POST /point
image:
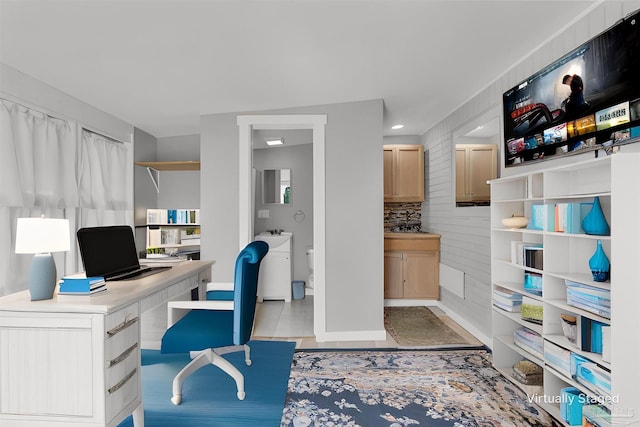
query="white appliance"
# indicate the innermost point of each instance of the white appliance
(274, 280)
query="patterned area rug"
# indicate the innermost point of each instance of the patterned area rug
(404, 388)
(420, 328)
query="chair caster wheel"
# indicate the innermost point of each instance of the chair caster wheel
(248, 362)
(176, 399)
(241, 395)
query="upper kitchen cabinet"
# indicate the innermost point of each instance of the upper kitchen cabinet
(403, 173)
(475, 165)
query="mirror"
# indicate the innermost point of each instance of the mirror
(476, 153)
(276, 186)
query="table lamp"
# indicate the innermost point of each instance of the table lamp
(41, 236)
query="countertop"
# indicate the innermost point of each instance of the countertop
(410, 235)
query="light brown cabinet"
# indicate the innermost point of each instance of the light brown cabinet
(411, 266)
(475, 165)
(403, 173)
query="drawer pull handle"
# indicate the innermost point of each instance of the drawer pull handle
(124, 325)
(122, 382)
(123, 356)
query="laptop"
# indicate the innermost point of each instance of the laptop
(110, 252)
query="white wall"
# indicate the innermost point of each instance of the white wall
(179, 189)
(354, 208)
(144, 194)
(465, 243)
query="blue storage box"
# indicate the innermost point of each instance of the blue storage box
(298, 289)
(571, 403)
(576, 361)
(533, 283)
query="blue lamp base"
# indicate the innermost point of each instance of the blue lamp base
(42, 277)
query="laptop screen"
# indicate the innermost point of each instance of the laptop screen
(107, 250)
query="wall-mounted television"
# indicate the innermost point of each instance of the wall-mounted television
(587, 100)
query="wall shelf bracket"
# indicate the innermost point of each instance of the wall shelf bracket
(154, 174)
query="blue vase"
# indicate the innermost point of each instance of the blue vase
(595, 223)
(599, 264)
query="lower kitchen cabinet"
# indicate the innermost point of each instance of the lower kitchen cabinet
(411, 266)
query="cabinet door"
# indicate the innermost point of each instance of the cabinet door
(482, 167)
(410, 173)
(421, 278)
(461, 176)
(393, 267)
(388, 172)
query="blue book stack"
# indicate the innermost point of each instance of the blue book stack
(80, 285)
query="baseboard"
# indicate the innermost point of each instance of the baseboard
(486, 340)
(380, 335)
(411, 302)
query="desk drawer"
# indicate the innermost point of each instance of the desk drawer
(122, 359)
(122, 333)
(183, 286)
(122, 385)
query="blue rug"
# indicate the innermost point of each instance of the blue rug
(209, 396)
(405, 388)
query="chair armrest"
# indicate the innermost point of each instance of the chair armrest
(215, 286)
(178, 309)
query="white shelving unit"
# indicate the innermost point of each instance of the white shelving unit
(616, 181)
(173, 234)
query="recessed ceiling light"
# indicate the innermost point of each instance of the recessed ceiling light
(274, 141)
(394, 127)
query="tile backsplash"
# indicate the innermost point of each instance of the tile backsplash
(405, 217)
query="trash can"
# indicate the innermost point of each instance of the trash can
(298, 289)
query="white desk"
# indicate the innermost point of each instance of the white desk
(75, 360)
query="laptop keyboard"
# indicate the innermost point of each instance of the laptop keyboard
(142, 271)
(129, 274)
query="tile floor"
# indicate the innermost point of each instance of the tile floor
(279, 320)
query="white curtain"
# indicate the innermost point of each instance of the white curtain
(105, 183)
(46, 168)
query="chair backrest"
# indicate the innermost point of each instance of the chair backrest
(245, 289)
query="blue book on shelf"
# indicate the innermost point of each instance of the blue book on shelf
(538, 217)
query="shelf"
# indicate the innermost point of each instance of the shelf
(561, 303)
(508, 341)
(573, 383)
(566, 258)
(518, 319)
(189, 165)
(563, 342)
(530, 390)
(585, 279)
(172, 225)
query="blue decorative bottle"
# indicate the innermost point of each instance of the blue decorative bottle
(599, 264)
(595, 223)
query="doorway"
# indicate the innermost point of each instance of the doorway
(316, 123)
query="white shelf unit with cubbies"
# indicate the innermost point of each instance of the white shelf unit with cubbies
(615, 180)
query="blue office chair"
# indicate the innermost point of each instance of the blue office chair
(209, 329)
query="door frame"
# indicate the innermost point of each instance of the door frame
(317, 123)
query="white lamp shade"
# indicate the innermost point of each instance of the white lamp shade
(42, 235)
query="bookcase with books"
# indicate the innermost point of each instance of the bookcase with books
(548, 309)
(173, 232)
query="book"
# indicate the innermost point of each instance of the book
(532, 257)
(95, 290)
(80, 283)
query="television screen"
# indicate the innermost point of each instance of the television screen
(586, 100)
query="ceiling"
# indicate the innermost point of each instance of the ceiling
(159, 65)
